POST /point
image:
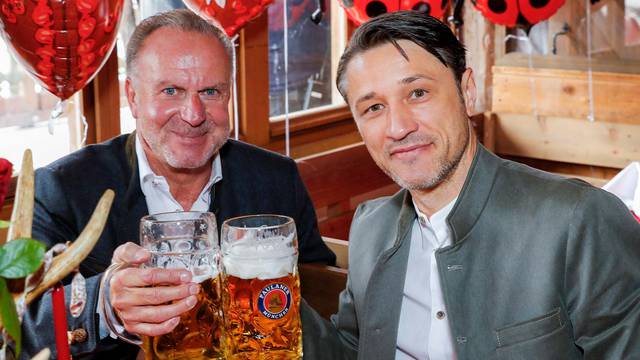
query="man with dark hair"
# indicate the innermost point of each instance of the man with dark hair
(179, 158)
(477, 257)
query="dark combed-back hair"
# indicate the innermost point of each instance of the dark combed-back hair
(181, 19)
(425, 31)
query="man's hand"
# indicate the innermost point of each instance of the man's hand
(149, 301)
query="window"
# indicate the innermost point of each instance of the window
(313, 51)
(25, 108)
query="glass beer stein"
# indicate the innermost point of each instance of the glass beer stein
(261, 289)
(185, 240)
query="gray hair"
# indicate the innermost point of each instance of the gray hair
(181, 19)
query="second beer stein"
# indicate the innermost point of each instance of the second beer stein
(261, 291)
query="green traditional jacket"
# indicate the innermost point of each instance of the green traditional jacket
(541, 267)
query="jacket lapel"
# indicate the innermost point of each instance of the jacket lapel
(134, 205)
(384, 292)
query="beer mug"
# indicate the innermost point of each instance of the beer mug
(185, 240)
(261, 291)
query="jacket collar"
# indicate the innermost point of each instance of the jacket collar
(471, 200)
(474, 194)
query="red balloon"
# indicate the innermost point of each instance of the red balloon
(61, 43)
(231, 15)
(534, 14)
(512, 12)
(360, 11)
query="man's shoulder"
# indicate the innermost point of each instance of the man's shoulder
(385, 207)
(92, 156)
(235, 150)
(532, 179)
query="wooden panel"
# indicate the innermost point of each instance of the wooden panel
(596, 175)
(564, 93)
(338, 181)
(101, 103)
(340, 174)
(341, 249)
(321, 285)
(253, 81)
(568, 140)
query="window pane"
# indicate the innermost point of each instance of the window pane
(309, 57)
(25, 108)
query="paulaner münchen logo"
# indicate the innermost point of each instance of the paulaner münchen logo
(274, 300)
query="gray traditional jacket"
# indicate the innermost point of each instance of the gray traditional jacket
(541, 267)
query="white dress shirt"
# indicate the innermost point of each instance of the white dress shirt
(423, 331)
(156, 188)
(159, 199)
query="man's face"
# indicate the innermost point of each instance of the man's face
(410, 113)
(179, 95)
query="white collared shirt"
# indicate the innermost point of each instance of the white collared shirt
(159, 199)
(156, 188)
(424, 331)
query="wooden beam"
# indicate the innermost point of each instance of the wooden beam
(565, 93)
(101, 103)
(568, 140)
(253, 81)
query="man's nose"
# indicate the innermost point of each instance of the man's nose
(400, 123)
(193, 110)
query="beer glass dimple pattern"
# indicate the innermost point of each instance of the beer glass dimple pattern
(261, 291)
(187, 240)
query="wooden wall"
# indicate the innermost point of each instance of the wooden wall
(541, 116)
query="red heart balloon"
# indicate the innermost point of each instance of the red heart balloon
(232, 15)
(62, 43)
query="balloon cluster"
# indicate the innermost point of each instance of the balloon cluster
(513, 12)
(359, 11)
(61, 43)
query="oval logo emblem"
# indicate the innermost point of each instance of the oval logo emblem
(274, 300)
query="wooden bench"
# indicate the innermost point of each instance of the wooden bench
(338, 181)
(320, 284)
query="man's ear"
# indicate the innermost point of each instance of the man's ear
(469, 91)
(131, 97)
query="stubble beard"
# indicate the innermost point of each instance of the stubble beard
(444, 170)
(161, 146)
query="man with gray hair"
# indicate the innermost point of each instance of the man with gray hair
(179, 158)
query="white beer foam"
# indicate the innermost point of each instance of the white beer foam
(265, 259)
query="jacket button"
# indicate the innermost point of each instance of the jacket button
(77, 336)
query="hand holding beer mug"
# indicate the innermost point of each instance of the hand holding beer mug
(261, 288)
(184, 240)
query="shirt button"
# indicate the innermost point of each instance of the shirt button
(440, 315)
(422, 221)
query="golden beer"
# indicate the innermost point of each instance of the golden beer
(199, 333)
(261, 296)
(262, 318)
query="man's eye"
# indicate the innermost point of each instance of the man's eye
(210, 92)
(418, 93)
(373, 108)
(170, 91)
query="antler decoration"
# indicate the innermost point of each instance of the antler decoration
(22, 219)
(22, 215)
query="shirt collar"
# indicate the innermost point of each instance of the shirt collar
(147, 175)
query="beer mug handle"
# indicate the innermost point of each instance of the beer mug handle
(113, 324)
